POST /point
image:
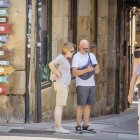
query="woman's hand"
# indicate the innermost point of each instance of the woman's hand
(58, 74)
(130, 96)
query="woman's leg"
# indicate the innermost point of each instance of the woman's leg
(58, 116)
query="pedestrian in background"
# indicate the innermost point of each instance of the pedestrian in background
(133, 81)
(84, 65)
(61, 85)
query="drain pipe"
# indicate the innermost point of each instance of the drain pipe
(124, 55)
(38, 63)
(28, 46)
(117, 70)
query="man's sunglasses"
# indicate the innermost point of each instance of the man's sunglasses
(85, 48)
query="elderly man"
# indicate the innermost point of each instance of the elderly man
(84, 65)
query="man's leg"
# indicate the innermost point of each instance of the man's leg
(86, 114)
(79, 113)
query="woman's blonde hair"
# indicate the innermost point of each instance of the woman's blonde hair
(67, 47)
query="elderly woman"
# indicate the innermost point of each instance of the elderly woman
(60, 66)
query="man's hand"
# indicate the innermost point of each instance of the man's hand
(90, 68)
(97, 69)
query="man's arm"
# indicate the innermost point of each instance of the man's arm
(77, 72)
(97, 69)
(131, 89)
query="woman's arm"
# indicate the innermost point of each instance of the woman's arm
(131, 89)
(54, 69)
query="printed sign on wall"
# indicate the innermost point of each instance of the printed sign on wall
(4, 89)
(4, 63)
(4, 38)
(3, 19)
(6, 70)
(5, 54)
(6, 28)
(4, 3)
(4, 79)
(1, 44)
(3, 12)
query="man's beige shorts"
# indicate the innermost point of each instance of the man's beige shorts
(61, 93)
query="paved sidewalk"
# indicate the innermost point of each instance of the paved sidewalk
(111, 127)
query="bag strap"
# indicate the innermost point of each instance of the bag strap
(90, 59)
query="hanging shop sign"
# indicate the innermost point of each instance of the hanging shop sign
(3, 19)
(6, 28)
(4, 3)
(6, 70)
(4, 38)
(4, 89)
(1, 44)
(4, 79)
(3, 12)
(4, 63)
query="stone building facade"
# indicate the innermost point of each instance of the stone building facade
(39, 31)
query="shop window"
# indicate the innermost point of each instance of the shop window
(46, 33)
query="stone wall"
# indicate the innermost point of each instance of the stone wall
(83, 23)
(102, 51)
(112, 12)
(12, 107)
(59, 25)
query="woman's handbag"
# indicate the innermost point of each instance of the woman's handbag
(53, 76)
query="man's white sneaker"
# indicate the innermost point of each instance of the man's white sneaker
(62, 130)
